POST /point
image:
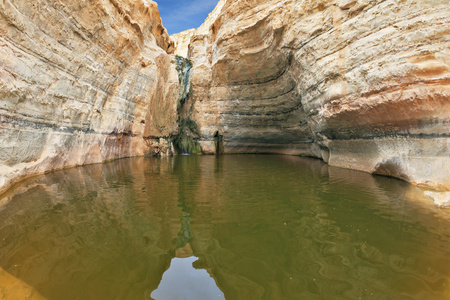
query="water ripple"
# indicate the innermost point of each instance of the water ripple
(263, 227)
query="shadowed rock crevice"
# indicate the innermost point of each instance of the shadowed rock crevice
(391, 167)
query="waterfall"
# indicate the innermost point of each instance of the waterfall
(186, 140)
(184, 68)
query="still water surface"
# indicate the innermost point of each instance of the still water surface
(232, 227)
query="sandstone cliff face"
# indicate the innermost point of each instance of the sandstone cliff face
(181, 41)
(361, 84)
(81, 82)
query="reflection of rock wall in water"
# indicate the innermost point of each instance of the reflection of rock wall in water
(81, 82)
(361, 84)
(110, 231)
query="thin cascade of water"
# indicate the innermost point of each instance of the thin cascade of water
(184, 68)
(186, 140)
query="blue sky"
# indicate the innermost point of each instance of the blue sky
(179, 15)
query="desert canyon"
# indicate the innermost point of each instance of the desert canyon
(360, 84)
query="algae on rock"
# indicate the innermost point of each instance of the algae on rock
(183, 66)
(186, 140)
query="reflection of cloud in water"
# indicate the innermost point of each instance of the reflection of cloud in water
(183, 281)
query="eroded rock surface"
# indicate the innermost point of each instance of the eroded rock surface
(361, 84)
(82, 82)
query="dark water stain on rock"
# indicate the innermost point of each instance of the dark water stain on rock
(391, 167)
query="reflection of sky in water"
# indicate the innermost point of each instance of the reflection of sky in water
(183, 281)
(264, 227)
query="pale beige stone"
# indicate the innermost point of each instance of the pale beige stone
(81, 82)
(346, 4)
(361, 84)
(440, 199)
(182, 41)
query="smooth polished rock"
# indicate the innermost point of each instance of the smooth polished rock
(361, 84)
(81, 82)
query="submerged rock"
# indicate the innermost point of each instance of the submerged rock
(440, 198)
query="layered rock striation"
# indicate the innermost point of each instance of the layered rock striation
(361, 84)
(82, 82)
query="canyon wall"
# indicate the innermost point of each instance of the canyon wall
(361, 84)
(82, 82)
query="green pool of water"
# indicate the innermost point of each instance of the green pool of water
(230, 227)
